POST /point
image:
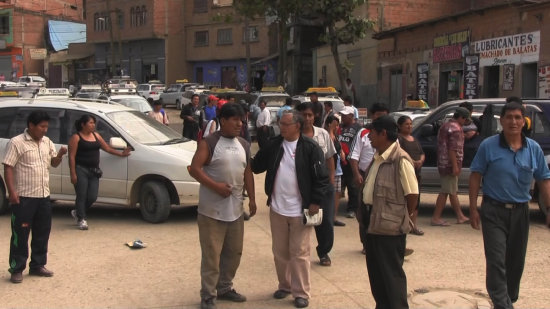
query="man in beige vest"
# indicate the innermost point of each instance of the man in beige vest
(391, 175)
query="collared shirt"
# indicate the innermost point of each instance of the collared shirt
(450, 137)
(31, 162)
(507, 174)
(321, 137)
(406, 175)
(363, 151)
(264, 118)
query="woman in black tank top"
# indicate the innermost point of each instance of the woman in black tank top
(84, 148)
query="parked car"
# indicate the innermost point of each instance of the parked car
(275, 98)
(174, 93)
(130, 100)
(151, 91)
(88, 92)
(32, 81)
(487, 113)
(153, 177)
(415, 115)
(186, 96)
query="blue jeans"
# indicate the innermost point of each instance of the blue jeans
(87, 185)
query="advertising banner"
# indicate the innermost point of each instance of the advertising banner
(471, 77)
(512, 49)
(422, 70)
(452, 46)
(544, 82)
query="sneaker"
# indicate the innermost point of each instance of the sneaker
(280, 294)
(208, 303)
(73, 214)
(300, 302)
(82, 225)
(232, 296)
(350, 214)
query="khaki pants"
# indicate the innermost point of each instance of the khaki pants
(221, 247)
(291, 251)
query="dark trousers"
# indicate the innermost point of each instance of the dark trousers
(505, 234)
(86, 188)
(325, 231)
(30, 215)
(263, 136)
(353, 191)
(388, 282)
(363, 216)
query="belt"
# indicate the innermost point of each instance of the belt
(492, 201)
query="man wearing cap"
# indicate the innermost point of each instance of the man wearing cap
(507, 164)
(450, 153)
(210, 108)
(348, 140)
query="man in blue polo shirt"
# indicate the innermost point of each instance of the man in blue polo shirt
(507, 164)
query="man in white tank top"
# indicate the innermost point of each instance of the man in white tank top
(222, 166)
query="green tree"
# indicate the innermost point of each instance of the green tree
(341, 27)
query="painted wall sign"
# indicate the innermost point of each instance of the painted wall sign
(471, 77)
(512, 49)
(452, 46)
(422, 70)
(508, 77)
(544, 82)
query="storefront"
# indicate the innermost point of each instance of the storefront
(449, 51)
(232, 73)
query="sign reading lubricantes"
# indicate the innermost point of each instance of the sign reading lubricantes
(512, 49)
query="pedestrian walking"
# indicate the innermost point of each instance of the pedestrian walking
(450, 153)
(84, 156)
(506, 165)
(192, 118)
(263, 125)
(393, 179)
(222, 167)
(332, 126)
(27, 174)
(318, 109)
(328, 112)
(324, 231)
(296, 180)
(413, 148)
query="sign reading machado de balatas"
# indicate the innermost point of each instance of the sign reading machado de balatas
(471, 76)
(511, 49)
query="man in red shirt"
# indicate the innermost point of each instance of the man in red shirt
(450, 153)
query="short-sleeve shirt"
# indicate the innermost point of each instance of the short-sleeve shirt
(322, 138)
(31, 162)
(286, 199)
(507, 174)
(209, 112)
(363, 151)
(407, 176)
(450, 137)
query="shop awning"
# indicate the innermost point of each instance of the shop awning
(64, 56)
(61, 33)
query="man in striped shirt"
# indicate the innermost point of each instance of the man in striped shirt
(26, 171)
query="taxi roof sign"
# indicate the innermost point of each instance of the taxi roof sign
(273, 89)
(331, 90)
(222, 90)
(185, 80)
(416, 104)
(7, 94)
(53, 92)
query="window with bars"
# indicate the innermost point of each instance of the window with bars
(138, 16)
(225, 36)
(201, 38)
(200, 6)
(252, 33)
(4, 24)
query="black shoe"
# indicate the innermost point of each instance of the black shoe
(350, 214)
(325, 260)
(339, 223)
(246, 216)
(41, 272)
(280, 294)
(208, 303)
(232, 296)
(300, 302)
(408, 251)
(16, 277)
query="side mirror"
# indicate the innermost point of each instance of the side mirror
(117, 143)
(426, 130)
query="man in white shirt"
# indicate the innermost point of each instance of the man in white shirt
(263, 124)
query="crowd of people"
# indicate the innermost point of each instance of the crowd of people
(318, 156)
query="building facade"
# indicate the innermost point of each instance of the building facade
(23, 45)
(499, 50)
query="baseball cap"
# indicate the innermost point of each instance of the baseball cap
(212, 97)
(347, 110)
(462, 112)
(221, 103)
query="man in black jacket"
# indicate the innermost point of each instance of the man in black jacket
(296, 180)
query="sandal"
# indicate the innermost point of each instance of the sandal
(325, 261)
(416, 231)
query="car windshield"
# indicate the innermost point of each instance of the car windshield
(137, 103)
(157, 87)
(145, 130)
(274, 101)
(38, 79)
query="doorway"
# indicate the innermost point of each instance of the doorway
(396, 90)
(529, 83)
(492, 79)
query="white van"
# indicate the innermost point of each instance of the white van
(154, 177)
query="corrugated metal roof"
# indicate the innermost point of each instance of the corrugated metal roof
(63, 32)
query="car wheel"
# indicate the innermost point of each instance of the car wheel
(154, 202)
(4, 205)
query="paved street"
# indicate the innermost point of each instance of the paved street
(94, 269)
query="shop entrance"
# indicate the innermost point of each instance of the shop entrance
(396, 91)
(492, 78)
(529, 81)
(450, 86)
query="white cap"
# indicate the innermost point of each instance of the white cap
(347, 110)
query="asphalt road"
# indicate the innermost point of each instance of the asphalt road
(94, 269)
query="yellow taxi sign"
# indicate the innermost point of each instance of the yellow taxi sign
(9, 94)
(273, 89)
(185, 80)
(321, 90)
(222, 90)
(421, 104)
